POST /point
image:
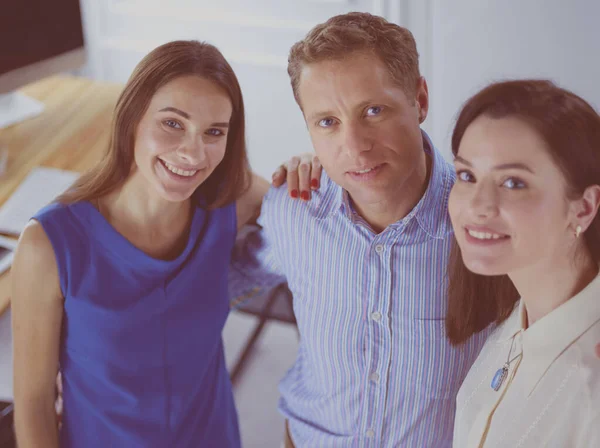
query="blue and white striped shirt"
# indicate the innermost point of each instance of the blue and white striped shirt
(374, 368)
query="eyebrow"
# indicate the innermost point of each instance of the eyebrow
(319, 115)
(503, 166)
(177, 111)
(187, 116)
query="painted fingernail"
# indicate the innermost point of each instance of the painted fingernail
(314, 183)
(294, 194)
(305, 195)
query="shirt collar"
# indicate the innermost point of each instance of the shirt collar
(431, 211)
(550, 336)
(515, 323)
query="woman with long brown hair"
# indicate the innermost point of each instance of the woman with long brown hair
(525, 213)
(121, 285)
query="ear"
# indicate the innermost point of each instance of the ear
(586, 208)
(422, 99)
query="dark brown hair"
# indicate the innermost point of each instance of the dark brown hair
(570, 127)
(345, 34)
(165, 63)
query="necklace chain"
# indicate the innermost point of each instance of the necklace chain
(507, 363)
(502, 372)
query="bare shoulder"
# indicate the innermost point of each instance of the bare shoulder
(34, 246)
(34, 263)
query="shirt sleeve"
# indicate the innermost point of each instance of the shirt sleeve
(254, 269)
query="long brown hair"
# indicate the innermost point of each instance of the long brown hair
(169, 61)
(570, 127)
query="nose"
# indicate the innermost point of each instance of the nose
(192, 151)
(484, 201)
(356, 139)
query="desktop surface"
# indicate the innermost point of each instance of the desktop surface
(71, 134)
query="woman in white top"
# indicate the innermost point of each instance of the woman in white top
(524, 209)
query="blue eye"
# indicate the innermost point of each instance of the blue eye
(465, 176)
(512, 183)
(374, 110)
(326, 122)
(215, 132)
(173, 124)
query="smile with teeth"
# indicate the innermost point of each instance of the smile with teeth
(179, 171)
(484, 235)
(367, 170)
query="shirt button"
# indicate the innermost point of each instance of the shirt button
(370, 433)
(376, 316)
(374, 377)
(379, 248)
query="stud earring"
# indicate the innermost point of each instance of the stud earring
(577, 231)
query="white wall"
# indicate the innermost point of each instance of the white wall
(255, 36)
(477, 41)
(463, 45)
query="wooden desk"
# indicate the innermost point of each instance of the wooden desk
(72, 134)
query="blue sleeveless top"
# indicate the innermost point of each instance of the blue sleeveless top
(141, 354)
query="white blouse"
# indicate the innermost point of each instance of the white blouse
(550, 396)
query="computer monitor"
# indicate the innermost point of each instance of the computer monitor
(38, 38)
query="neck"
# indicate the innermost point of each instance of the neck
(544, 288)
(399, 202)
(135, 203)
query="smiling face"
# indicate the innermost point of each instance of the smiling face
(182, 136)
(364, 127)
(509, 206)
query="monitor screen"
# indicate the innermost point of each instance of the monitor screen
(36, 30)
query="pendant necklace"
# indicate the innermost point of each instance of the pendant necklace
(502, 372)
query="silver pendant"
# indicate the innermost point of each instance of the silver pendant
(499, 377)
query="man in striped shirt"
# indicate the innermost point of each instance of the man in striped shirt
(365, 258)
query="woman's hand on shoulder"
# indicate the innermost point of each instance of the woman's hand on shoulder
(302, 173)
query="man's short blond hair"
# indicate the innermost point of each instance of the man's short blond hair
(345, 34)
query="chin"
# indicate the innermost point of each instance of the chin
(367, 193)
(175, 196)
(485, 267)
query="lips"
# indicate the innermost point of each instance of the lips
(178, 170)
(368, 170)
(364, 170)
(485, 235)
(364, 174)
